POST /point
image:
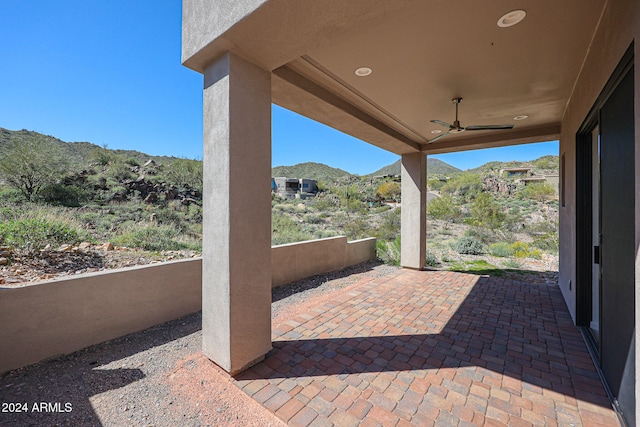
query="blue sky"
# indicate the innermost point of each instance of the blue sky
(109, 72)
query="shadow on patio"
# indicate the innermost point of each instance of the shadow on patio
(425, 347)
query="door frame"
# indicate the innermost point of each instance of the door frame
(584, 192)
(584, 219)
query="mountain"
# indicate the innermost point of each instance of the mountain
(76, 152)
(311, 170)
(434, 167)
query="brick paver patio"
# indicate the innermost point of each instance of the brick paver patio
(428, 348)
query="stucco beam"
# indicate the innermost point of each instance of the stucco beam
(271, 33)
(295, 92)
(495, 139)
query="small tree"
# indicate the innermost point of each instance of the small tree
(186, 172)
(539, 191)
(486, 212)
(389, 191)
(443, 208)
(31, 164)
(466, 185)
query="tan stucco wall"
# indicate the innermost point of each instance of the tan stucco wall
(61, 316)
(296, 261)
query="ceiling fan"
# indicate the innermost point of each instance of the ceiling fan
(456, 128)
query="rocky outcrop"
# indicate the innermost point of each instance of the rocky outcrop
(499, 185)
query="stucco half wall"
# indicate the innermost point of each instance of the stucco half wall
(62, 316)
(296, 261)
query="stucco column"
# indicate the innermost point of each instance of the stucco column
(236, 255)
(414, 210)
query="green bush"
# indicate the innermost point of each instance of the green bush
(154, 238)
(431, 260)
(501, 249)
(64, 195)
(443, 208)
(469, 246)
(286, 230)
(486, 212)
(312, 218)
(357, 228)
(466, 185)
(389, 227)
(549, 242)
(389, 251)
(11, 197)
(35, 234)
(539, 191)
(523, 250)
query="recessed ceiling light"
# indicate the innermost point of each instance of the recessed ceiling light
(363, 71)
(521, 117)
(436, 131)
(511, 18)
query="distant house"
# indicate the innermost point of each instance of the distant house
(290, 187)
(551, 179)
(515, 172)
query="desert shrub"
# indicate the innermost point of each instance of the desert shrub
(468, 245)
(389, 251)
(501, 249)
(466, 185)
(524, 250)
(389, 227)
(11, 197)
(154, 238)
(539, 191)
(64, 195)
(101, 155)
(357, 228)
(389, 191)
(323, 234)
(324, 204)
(431, 260)
(486, 212)
(34, 234)
(549, 242)
(284, 207)
(194, 213)
(312, 218)
(131, 161)
(435, 184)
(286, 230)
(443, 208)
(172, 218)
(486, 235)
(547, 163)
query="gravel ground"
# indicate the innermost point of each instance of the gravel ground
(157, 377)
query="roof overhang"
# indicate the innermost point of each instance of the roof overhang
(422, 54)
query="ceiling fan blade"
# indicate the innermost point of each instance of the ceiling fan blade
(489, 127)
(441, 123)
(442, 135)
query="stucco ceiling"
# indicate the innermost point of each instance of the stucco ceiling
(429, 52)
(423, 53)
